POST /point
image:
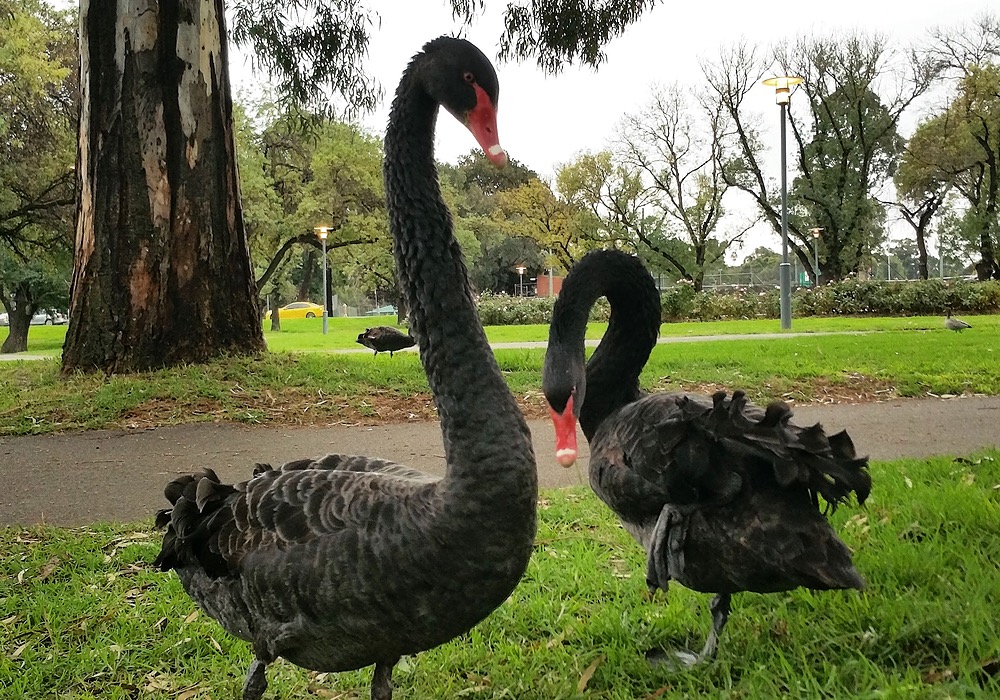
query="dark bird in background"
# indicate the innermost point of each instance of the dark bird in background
(385, 339)
(723, 496)
(955, 324)
(344, 561)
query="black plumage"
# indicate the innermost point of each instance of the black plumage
(723, 496)
(344, 562)
(385, 339)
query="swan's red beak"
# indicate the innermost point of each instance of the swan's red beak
(565, 425)
(482, 122)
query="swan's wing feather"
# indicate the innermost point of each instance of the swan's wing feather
(216, 526)
(693, 450)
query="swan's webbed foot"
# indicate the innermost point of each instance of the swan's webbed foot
(256, 682)
(382, 680)
(666, 548)
(682, 658)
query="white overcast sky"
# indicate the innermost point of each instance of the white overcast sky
(545, 120)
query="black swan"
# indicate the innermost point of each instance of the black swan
(722, 495)
(955, 324)
(345, 562)
(385, 339)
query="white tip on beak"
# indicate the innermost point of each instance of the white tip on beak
(566, 457)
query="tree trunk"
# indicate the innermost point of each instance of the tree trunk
(162, 271)
(309, 268)
(20, 309)
(275, 315)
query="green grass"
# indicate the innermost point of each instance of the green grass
(318, 387)
(306, 334)
(83, 615)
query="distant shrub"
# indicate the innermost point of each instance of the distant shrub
(903, 298)
(848, 298)
(505, 310)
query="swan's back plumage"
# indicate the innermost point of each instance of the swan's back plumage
(385, 339)
(756, 484)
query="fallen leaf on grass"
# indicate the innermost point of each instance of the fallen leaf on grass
(588, 674)
(47, 570)
(659, 692)
(935, 676)
(191, 617)
(8, 620)
(20, 650)
(326, 692)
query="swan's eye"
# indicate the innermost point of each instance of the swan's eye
(469, 77)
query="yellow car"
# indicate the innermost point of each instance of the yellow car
(298, 309)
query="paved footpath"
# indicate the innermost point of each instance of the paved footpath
(75, 479)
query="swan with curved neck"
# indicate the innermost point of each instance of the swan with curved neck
(723, 496)
(345, 561)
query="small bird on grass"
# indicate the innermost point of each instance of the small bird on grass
(955, 324)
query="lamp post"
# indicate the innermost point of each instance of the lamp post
(520, 271)
(816, 234)
(783, 94)
(322, 232)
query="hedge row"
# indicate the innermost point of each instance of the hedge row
(682, 303)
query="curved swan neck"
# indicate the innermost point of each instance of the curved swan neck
(612, 373)
(484, 430)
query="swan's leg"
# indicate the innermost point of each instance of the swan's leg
(666, 550)
(256, 682)
(682, 658)
(720, 615)
(382, 680)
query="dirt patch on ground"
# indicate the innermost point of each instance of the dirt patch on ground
(294, 407)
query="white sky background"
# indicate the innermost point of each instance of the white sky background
(544, 121)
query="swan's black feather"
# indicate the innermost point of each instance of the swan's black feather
(348, 561)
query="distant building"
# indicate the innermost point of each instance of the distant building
(542, 286)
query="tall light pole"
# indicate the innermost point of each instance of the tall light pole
(520, 271)
(816, 232)
(783, 94)
(322, 232)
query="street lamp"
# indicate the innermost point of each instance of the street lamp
(816, 234)
(322, 232)
(783, 94)
(520, 271)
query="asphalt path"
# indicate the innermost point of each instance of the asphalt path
(73, 479)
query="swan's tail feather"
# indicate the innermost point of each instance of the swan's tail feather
(825, 464)
(200, 517)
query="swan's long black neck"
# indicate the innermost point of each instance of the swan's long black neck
(486, 440)
(612, 373)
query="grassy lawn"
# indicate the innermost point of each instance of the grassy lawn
(84, 616)
(317, 388)
(306, 334)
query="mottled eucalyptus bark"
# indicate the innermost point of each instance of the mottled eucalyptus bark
(162, 272)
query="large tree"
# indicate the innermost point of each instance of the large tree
(680, 149)
(162, 270)
(38, 107)
(843, 131)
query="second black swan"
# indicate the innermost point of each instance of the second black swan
(385, 339)
(344, 562)
(723, 496)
